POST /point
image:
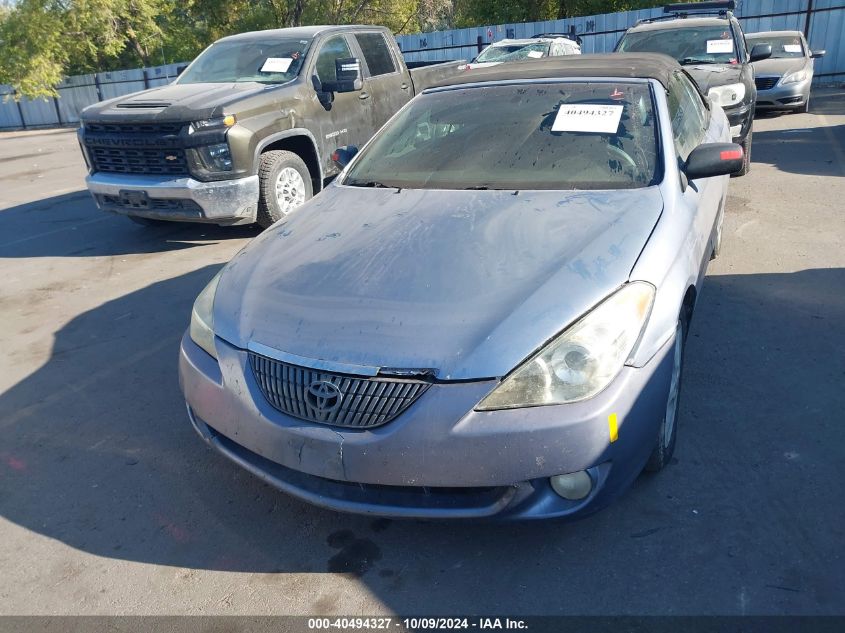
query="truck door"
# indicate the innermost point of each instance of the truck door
(346, 120)
(387, 84)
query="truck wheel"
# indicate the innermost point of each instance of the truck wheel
(746, 156)
(664, 447)
(284, 185)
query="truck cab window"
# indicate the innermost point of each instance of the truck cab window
(334, 49)
(376, 53)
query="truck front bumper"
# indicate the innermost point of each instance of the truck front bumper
(182, 199)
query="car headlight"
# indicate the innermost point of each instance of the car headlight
(202, 317)
(794, 78)
(581, 361)
(727, 96)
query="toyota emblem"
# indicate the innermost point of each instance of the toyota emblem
(324, 397)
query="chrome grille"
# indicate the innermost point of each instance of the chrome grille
(350, 401)
(765, 83)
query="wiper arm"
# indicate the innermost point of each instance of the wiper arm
(696, 60)
(477, 188)
(369, 183)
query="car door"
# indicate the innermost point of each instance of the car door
(386, 83)
(690, 128)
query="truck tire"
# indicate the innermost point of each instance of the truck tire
(746, 157)
(284, 184)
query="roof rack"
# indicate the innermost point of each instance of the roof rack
(720, 8)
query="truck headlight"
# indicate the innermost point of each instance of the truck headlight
(210, 124)
(215, 157)
(794, 78)
(727, 96)
(581, 361)
(202, 317)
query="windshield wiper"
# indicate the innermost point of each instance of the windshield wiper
(369, 183)
(697, 60)
(477, 187)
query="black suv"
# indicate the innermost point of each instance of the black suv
(707, 39)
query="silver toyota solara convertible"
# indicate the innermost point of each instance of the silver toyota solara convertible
(485, 313)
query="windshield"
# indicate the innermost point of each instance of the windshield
(265, 61)
(783, 47)
(689, 45)
(511, 52)
(567, 135)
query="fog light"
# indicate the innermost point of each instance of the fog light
(573, 486)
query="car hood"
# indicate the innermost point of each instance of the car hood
(467, 283)
(176, 102)
(709, 75)
(778, 66)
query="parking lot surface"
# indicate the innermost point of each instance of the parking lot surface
(110, 504)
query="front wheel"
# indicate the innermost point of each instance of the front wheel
(746, 157)
(664, 445)
(284, 185)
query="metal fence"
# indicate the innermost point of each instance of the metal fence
(77, 92)
(822, 21)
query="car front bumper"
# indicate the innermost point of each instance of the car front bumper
(440, 458)
(784, 97)
(180, 199)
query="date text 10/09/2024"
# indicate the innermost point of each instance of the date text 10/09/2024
(415, 624)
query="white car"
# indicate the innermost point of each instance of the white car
(542, 45)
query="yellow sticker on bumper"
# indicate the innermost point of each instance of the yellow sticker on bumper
(613, 426)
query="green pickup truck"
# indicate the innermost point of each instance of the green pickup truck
(246, 133)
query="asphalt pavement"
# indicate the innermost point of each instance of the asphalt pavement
(109, 503)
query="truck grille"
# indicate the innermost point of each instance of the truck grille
(334, 399)
(139, 161)
(765, 83)
(136, 148)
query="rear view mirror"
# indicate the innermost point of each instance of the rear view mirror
(761, 51)
(714, 159)
(342, 155)
(348, 73)
(817, 54)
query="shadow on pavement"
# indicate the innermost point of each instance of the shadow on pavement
(51, 228)
(98, 454)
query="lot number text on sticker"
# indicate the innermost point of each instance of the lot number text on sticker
(720, 46)
(276, 65)
(586, 117)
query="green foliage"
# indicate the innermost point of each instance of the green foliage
(43, 40)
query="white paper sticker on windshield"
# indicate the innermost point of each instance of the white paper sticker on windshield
(587, 117)
(276, 65)
(792, 48)
(535, 54)
(720, 46)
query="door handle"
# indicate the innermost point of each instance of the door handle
(364, 95)
(404, 86)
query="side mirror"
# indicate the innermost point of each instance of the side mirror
(761, 51)
(817, 54)
(342, 155)
(348, 72)
(713, 159)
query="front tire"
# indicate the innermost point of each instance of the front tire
(667, 434)
(746, 156)
(284, 185)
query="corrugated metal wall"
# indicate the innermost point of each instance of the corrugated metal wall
(77, 92)
(600, 34)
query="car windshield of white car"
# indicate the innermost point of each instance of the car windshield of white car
(783, 47)
(552, 136)
(511, 52)
(273, 61)
(689, 45)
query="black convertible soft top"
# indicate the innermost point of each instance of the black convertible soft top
(615, 65)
